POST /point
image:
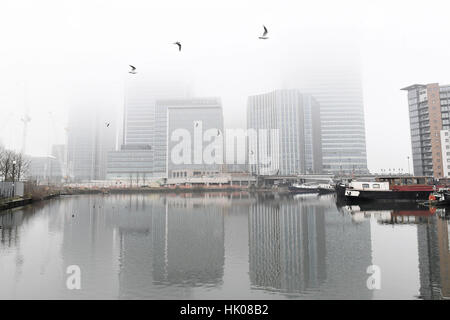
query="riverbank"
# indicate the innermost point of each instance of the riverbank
(73, 191)
(19, 202)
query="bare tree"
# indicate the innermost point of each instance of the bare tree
(7, 164)
(22, 165)
(13, 165)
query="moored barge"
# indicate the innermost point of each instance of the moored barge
(391, 188)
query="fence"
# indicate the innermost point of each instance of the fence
(9, 189)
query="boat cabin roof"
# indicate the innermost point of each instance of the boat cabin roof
(406, 180)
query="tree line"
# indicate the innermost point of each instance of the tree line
(13, 165)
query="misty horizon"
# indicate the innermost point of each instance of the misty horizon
(58, 54)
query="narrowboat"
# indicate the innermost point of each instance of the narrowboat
(391, 188)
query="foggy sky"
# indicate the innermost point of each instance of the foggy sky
(57, 50)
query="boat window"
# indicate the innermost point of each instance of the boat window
(365, 185)
(376, 186)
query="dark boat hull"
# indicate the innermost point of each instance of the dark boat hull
(389, 196)
(326, 191)
(303, 190)
(340, 191)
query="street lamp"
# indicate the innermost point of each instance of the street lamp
(13, 177)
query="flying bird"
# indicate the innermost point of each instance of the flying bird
(133, 70)
(178, 44)
(218, 132)
(264, 36)
(107, 124)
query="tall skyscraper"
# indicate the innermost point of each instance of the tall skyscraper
(196, 116)
(135, 159)
(139, 111)
(428, 115)
(337, 87)
(89, 139)
(297, 119)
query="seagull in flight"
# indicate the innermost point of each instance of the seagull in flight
(107, 124)
(218, 132)
(133, 70)
(264, 36)
(178, 44)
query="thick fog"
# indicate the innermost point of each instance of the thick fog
(54, 54)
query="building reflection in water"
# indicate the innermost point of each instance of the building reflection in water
(287, 246)
(220, 244)
(434, 258)
(298, 244)
(433, 240)
(174, 241)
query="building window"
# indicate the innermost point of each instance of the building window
(376, 186)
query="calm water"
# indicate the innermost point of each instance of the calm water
(222, 246)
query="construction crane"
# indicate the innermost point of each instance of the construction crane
(25, 119)
(60, 154)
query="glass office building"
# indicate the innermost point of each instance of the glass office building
(132, 162)
(193, 116)
(297, 146)
(337, 87)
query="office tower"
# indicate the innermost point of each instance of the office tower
(313, 136)
(195, 117)
(337, 87)
(428, 115)
(135, 159)
(133, 162)
(89, 139)
(139, 111)
(296, 117)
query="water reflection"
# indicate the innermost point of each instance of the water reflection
(222, 245)
(432, 240)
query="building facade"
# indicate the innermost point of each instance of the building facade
(445, 151)
(196, 118)
(132, 163)
(428, 116)
(337, 87)
(139, 123)
(296, 148)
(89, 140)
